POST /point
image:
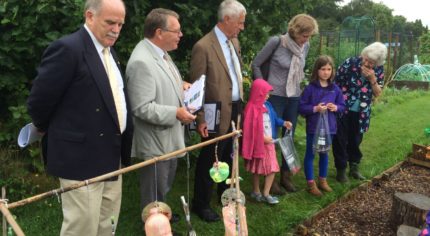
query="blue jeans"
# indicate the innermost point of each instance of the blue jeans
(309, 160)
(286, 108)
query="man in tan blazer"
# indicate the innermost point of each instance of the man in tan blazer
(156, 100)
(213, 56)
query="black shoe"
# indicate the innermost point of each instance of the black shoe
(175, 218)
(206, 214)
(341, 176)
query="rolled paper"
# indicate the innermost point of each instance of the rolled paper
(219, 172)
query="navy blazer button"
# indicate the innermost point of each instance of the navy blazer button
(101, 134)
(97, 109)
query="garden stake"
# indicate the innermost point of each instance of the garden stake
(121, 171)
(4, 225)
(233, 200)
(191, 231)
(10, 219)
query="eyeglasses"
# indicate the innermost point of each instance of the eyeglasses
(179, 32)
(368, 62)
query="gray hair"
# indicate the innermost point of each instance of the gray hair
(95, 5)
(376, 52)
(231, 8)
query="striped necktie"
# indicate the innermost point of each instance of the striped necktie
(237, 69)
(175, 72)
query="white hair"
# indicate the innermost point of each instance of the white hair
(376, 52)
(231, 8)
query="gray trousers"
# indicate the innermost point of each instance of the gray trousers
(156, 181)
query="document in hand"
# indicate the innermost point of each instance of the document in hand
(195, 94)
(28, 135)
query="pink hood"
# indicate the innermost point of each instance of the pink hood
(253, 132)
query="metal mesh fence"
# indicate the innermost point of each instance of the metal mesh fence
(343, 44)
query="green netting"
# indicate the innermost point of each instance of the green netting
(355, 34)
(413, 72)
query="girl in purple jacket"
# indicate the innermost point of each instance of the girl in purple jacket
(321, 95)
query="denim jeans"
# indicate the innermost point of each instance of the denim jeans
(309, 160)
(287, 108)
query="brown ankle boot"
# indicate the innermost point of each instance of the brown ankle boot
(313, 189)
(323, 185)
(276, 189)
(286, 181)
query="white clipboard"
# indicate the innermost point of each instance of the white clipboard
(212, 116)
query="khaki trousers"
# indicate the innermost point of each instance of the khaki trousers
(88, 210)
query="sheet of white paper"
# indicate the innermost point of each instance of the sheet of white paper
(195, 94)
(28, 135)
(212, 117)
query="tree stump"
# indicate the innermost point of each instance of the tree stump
(405, 230)
(409, 209)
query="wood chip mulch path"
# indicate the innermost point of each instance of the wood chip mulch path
(367, 211)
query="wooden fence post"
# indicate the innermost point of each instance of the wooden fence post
(389, 53)
(396, 48)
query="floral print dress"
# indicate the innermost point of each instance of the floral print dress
(356, 89)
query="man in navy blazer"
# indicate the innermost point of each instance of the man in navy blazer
(87, 129)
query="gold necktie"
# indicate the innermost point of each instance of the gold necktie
(237, 69)
(114, 87)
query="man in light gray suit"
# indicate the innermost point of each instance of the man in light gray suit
(156, 91)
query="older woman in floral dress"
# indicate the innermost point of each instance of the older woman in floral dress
(360, 78)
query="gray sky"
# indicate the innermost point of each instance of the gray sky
(410, 9)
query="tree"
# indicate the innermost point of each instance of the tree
(356, 8)
(382, 15)
(424, 50)
(399, 23)
(323, 11)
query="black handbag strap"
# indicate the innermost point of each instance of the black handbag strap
(265, 66)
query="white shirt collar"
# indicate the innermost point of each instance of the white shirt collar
(99, 46)
(159, 51)
(220, 35)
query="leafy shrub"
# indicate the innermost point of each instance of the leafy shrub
(425, 49)
(27, 28)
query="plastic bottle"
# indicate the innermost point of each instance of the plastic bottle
(9, 231)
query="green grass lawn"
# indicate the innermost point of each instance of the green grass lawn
(399, 118)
